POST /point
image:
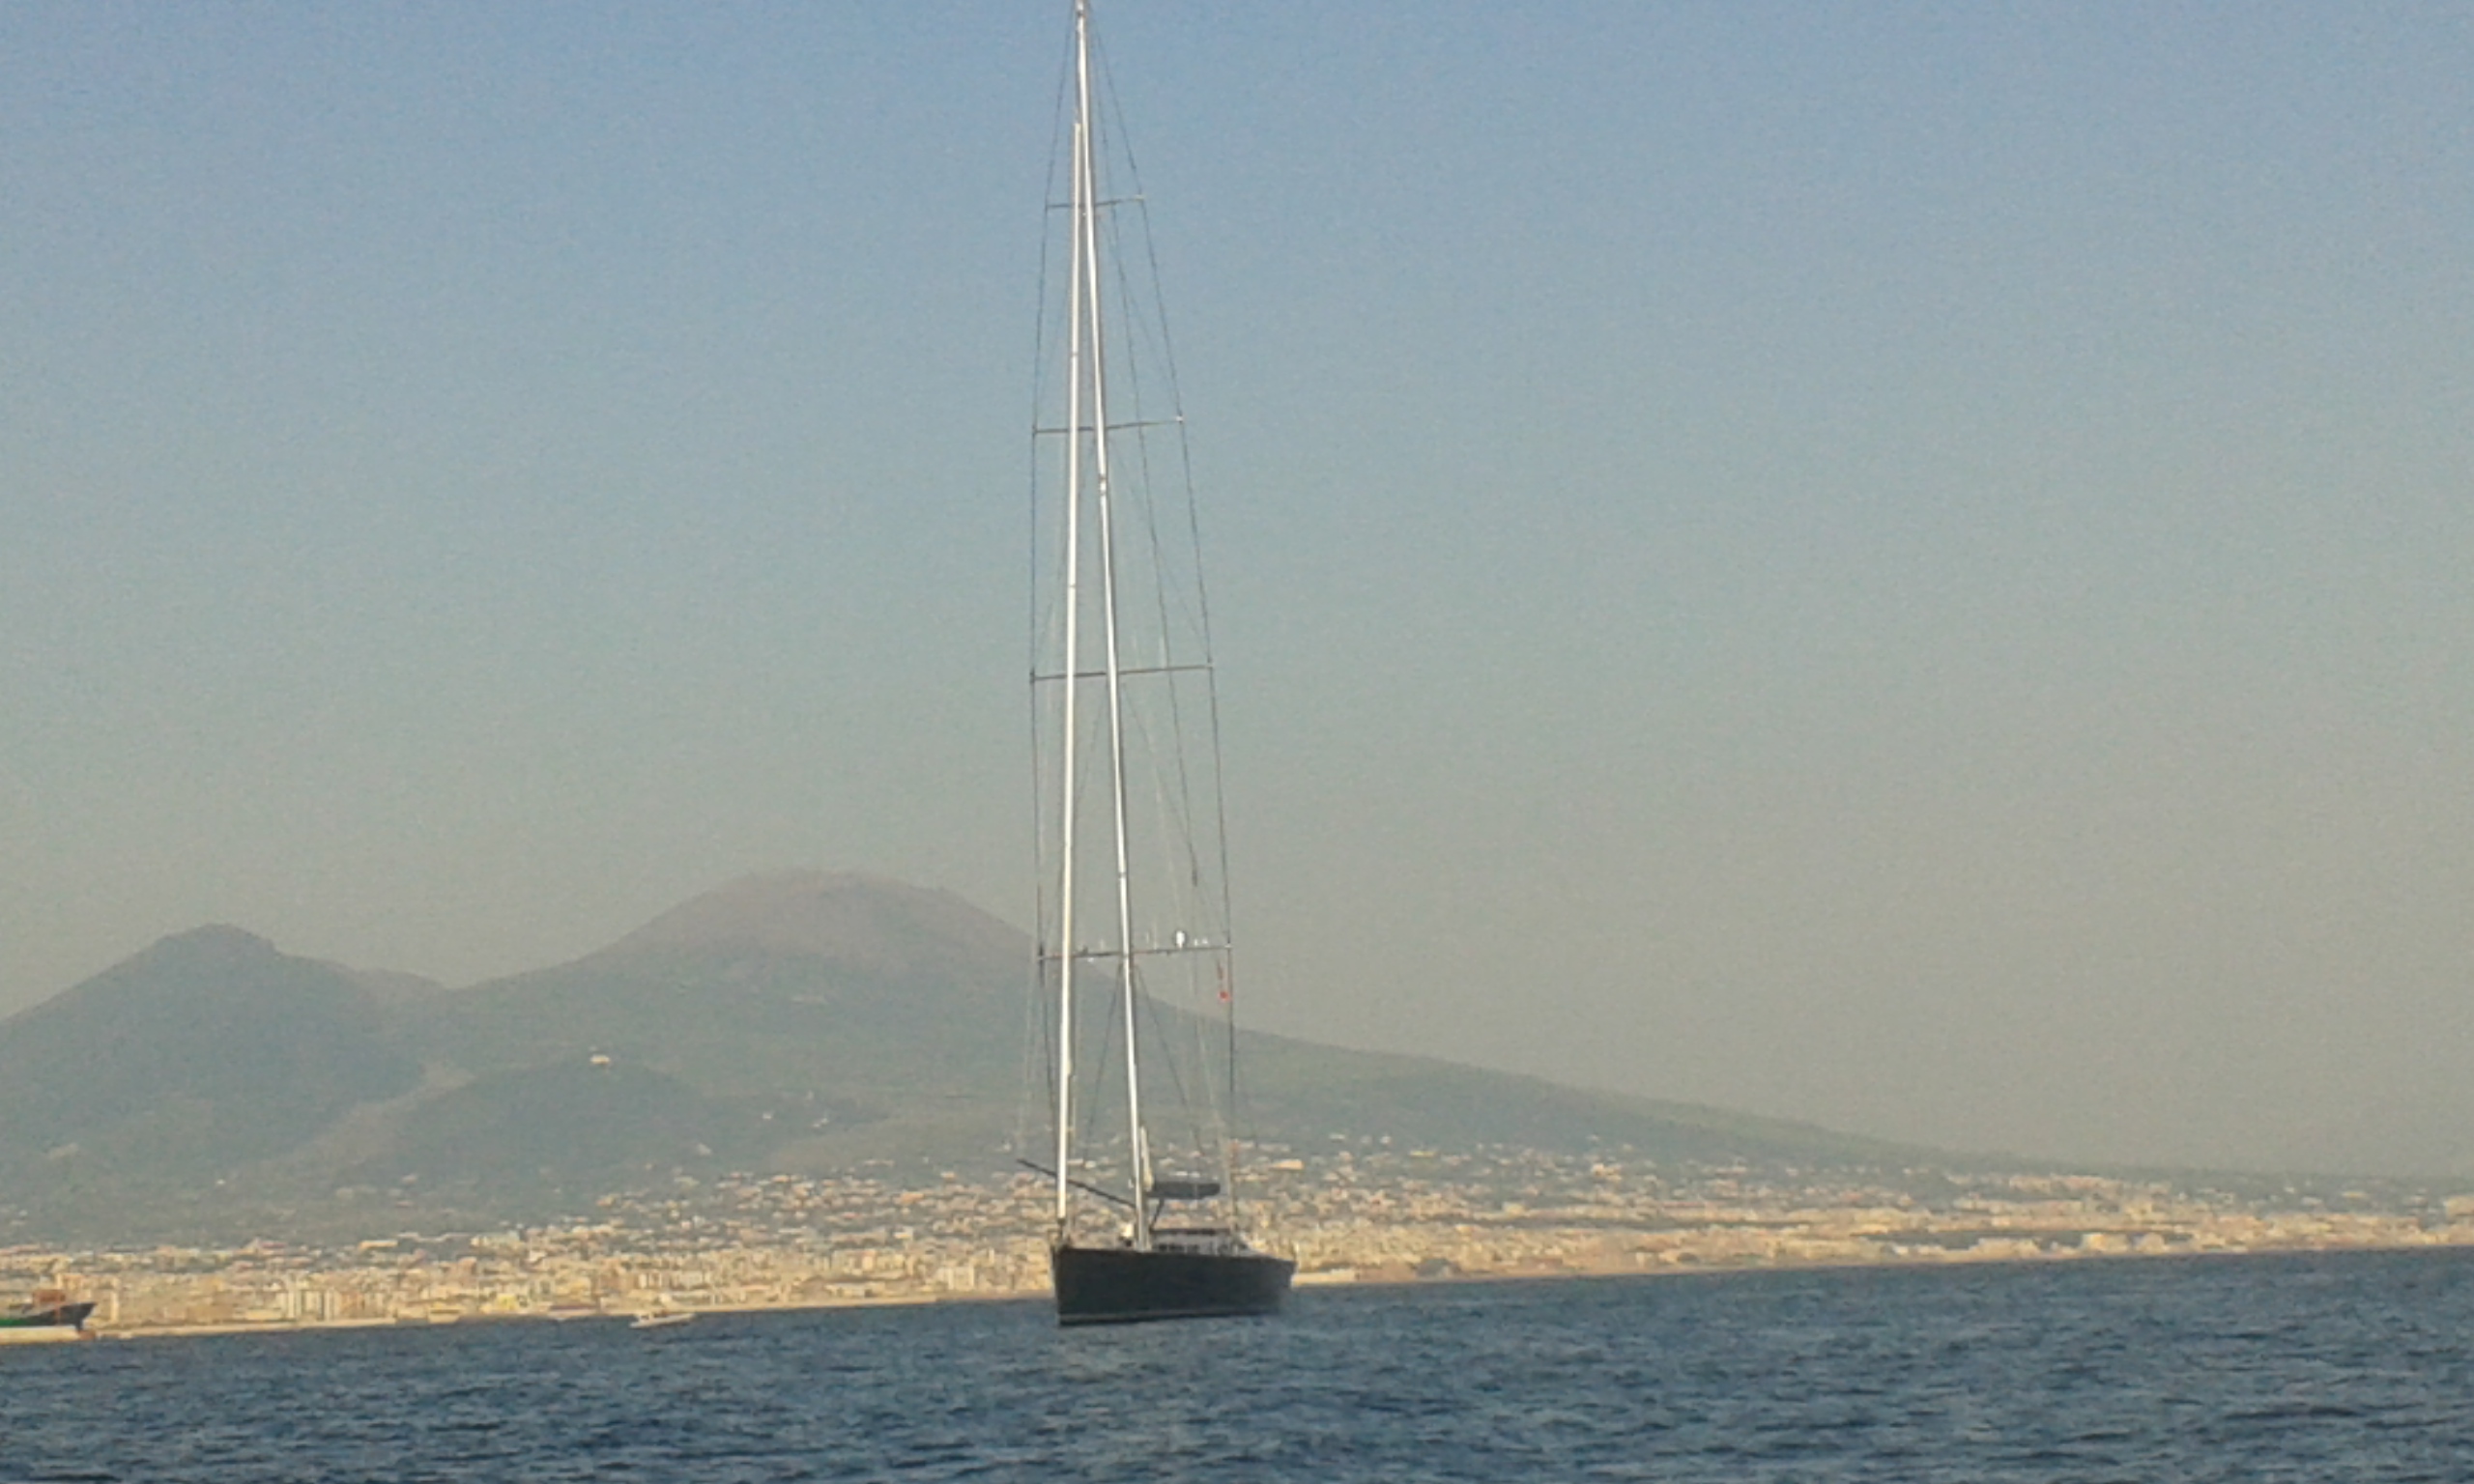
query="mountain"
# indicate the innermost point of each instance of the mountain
(838, 986)
(858, 1018)
(186, 1063)
(797, 1021)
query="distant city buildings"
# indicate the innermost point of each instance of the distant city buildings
(1360, 1211)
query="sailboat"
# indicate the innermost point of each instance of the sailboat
(1135, 966)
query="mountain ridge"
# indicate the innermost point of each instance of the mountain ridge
(791, 1021)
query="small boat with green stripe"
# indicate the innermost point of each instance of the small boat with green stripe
(50, 1308)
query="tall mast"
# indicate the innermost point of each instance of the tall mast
(1087, 228)
(1073, 615)
(1087, 386)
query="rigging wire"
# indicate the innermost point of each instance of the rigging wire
(1226, 989)
(1182, 829)
(1039, 1040)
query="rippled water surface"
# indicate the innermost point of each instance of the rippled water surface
(2358, 1367)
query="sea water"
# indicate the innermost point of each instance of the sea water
(2338, 1367)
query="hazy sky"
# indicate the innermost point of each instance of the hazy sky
(1911, 566)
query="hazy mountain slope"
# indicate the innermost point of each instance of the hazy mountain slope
(860, 1000)
(205, 1052)
(1296, 1090)
(894, 1016)
(795, 1021)
(576, 1129)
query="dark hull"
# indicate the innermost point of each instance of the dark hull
(64, 1315)
(1119, 1285)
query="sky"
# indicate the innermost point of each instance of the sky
(1909, 566)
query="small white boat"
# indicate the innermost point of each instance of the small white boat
(662, 1319)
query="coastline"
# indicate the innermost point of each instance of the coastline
(1324, 1280)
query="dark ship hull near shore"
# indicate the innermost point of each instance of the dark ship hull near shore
(46, 1316)
(1126, 1285)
